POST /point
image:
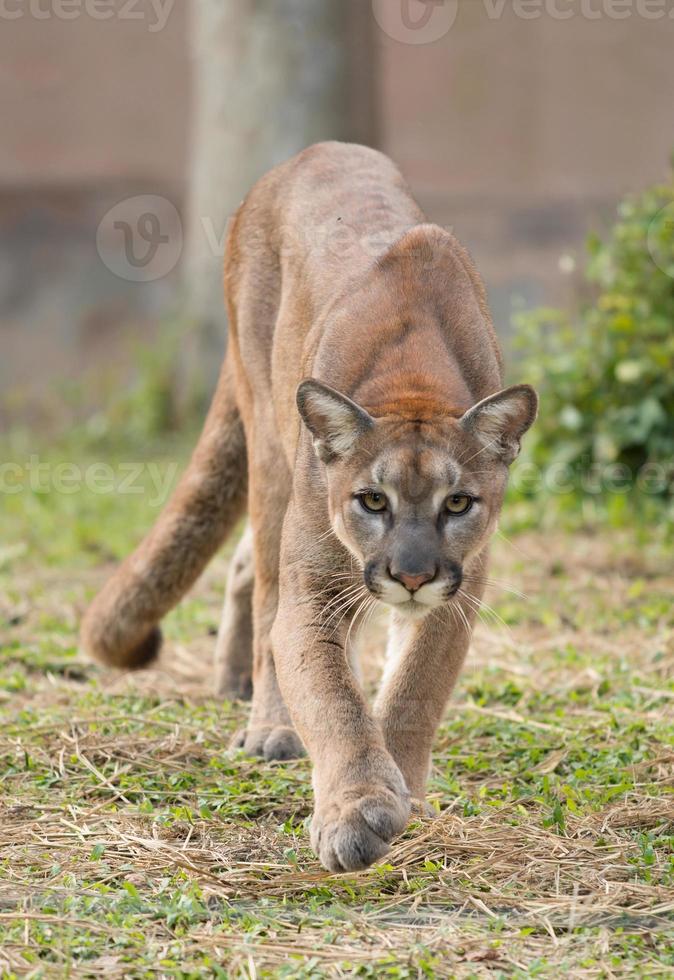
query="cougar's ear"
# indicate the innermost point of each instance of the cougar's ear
(335, 422)
(500, 421)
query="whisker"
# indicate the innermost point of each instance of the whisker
(462, 615)
(463, 462)
(363, 605)
(481, 606)
(477, 609)
(346, 595)
(373, 609)
(345, 614)
(495, 584)
(330, 588)
(343, 607)
(340, 596)
(513, 545)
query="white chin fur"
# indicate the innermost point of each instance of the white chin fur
(412, 609)
(428, 597)
(393, 593)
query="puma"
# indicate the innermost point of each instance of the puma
(361, 421)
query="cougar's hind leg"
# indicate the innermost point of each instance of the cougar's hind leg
(120, 628)
(234, 647)
(270, 733)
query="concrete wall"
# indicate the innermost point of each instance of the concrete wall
(532, 109)
(86, 101)
(505, 107)
(523, 133)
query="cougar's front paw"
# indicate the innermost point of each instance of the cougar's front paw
(269, 742)
(352, 829)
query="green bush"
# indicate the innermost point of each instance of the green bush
(605, 372)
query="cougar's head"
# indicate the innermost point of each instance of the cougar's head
(414, 499)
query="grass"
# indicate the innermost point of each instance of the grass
(133, 845)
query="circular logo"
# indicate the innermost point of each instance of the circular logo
(415, 21)
(661, 240)
(141, 239)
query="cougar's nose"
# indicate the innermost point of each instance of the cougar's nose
(412, 582)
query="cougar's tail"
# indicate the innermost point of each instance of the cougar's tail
(120, 627)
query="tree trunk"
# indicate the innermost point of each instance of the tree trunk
(270, 77)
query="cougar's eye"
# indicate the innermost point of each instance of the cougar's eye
(458, 503)
(373, 502)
